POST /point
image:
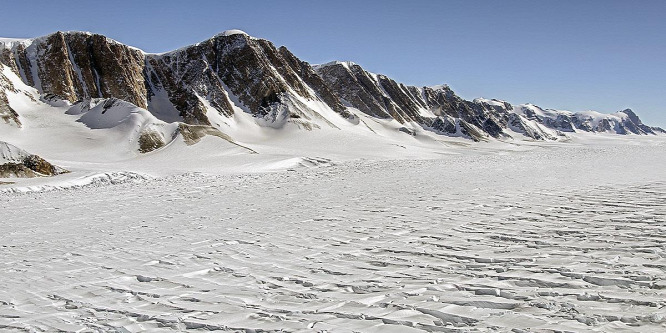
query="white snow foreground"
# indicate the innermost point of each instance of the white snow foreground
(91, 180)
(565, 238)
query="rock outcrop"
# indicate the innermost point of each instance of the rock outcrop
(16, 162)
(78, 65)
(437, 108)
(7, 114)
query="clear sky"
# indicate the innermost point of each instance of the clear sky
(576, 55)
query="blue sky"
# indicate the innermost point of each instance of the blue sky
(575, 55)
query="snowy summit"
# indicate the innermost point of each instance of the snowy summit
(232, 32)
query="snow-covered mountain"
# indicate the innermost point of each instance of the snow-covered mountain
(442, 111)
(233, 85)
(228, 73)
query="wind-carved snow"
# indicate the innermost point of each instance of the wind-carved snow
(93, 180)
(556, 239)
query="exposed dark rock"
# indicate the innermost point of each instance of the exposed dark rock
(518, 124)
(561, 122)
(309, 76)
(150, 141)
(658, 130)
(604, 126)
(7, 113)
(407, 131)
(76, 65)
(15, 162)
(18, 170)
(183, 98)
(380, 96)
(192, 134)
(445, 125)
(355, 86)
(635, 124)
(41, 166)
(251, 71)
(471, 131)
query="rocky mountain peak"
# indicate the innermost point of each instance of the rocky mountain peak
(632, 116)
(233, 70)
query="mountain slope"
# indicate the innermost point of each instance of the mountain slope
(441, 110)
(229, 72)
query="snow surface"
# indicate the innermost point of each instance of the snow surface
(345, 64)
(10, 42)
(439, 86)
(551, 238)
(594, 117)
(232, 32)
(493, 102)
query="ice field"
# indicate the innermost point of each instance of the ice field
(564, 238)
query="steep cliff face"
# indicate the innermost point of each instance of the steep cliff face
(356, 87)
(312, 79)
(234, 69)
(231, 70)
(7, 114)
(206, 83)
(438, 108)
(77, 65)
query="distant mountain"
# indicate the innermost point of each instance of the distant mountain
(205, 84)
(441, 110)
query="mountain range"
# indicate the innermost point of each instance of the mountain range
(203, 88)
